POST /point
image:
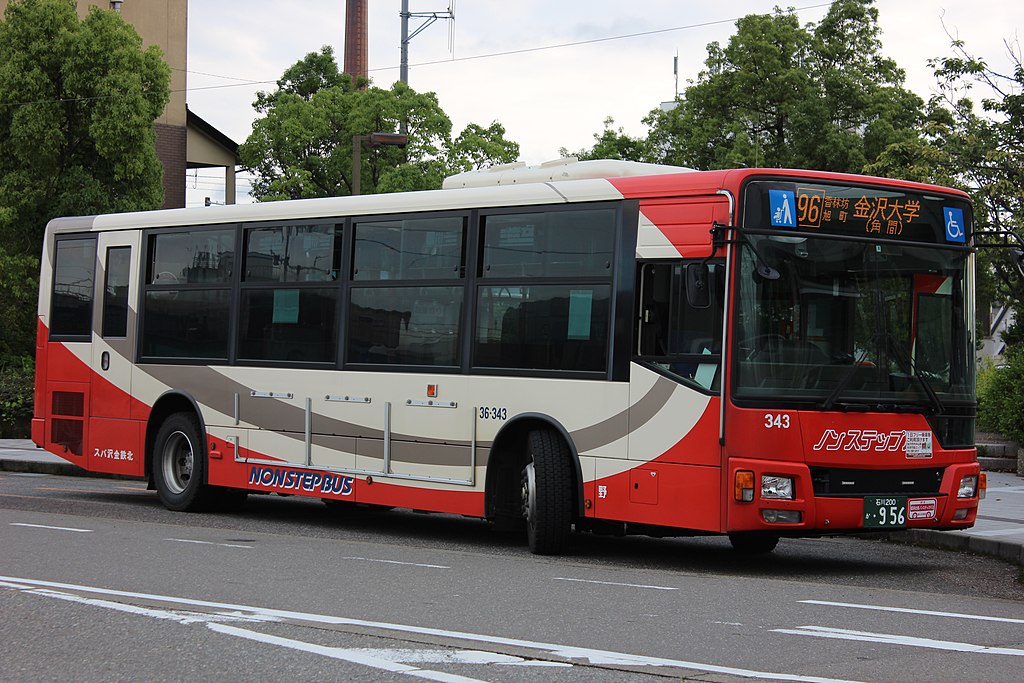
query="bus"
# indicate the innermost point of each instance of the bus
(601, 346)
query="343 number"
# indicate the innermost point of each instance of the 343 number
(492, 413)
(776, 421)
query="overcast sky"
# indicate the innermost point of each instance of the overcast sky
(550, 72)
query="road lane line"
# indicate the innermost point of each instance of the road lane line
(614, 583)
(591, 655)
(55, 528)
(907, 610)
(409, 564)
(209, 543)
(892, 639)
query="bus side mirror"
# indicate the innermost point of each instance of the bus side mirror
(698, 289)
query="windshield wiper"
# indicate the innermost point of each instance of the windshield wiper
(908, 366)
(844, 381)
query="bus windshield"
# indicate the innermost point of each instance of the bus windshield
(839, 324)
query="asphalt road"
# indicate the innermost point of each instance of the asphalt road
(99, 582)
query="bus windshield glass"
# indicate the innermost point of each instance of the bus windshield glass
(852, 325)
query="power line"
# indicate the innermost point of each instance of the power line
(520, 51)
(247, 82)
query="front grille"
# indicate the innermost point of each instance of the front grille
(839, 482)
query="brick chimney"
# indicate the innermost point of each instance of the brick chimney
(356, 39)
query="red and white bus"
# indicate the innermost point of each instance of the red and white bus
(598, 346)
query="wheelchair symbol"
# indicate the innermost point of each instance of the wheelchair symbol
(954, 227)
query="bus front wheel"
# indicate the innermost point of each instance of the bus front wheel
(547, 485)
(753, 543)
(179, 464)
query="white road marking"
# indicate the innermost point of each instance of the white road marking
(907, 610)
(55, 528)
(348, 655)
(410, 655)
(235, 611)
(182, 617)
(892, 639)
(613, 583)
(409, 564)
(223, 545)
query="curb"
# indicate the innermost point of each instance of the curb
(993, 464)
(952, 540)
(57, 468)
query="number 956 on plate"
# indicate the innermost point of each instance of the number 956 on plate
(885, 512)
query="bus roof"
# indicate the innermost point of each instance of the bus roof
(563, 181)
(568, 168)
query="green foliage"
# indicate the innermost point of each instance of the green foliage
(784, 95)
(614, 144)
(17, 386)
(19, 289)
(1001, 395)
(976, 144)
(302, 146)
(78, 99)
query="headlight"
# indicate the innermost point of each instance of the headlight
(776, 487)
(968, 487)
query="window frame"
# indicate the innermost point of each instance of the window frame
(75, 337)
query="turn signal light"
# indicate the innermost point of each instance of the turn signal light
(744, 491)
(982, 485)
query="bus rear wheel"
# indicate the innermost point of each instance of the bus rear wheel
(179, 464)
(547, 485)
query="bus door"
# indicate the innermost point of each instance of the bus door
(116, 440)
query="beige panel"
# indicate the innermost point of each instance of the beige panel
(204, 151)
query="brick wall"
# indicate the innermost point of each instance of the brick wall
(170, 149)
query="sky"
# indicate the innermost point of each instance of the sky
(549, 72)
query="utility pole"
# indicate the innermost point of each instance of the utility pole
(429, 18)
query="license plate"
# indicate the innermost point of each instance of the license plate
(885, 512)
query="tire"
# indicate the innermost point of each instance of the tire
(179, 465)
(753, 543)
(547, 493)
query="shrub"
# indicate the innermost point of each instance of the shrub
(17, 384)
(1001, 397)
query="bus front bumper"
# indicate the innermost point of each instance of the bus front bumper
(779, 497)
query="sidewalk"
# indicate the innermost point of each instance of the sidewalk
(999, 530)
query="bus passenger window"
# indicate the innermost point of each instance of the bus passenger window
(73, 271)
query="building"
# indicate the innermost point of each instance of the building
(183, 139)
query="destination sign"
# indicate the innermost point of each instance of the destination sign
(856, 211)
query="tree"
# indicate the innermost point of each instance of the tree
(979, 150)
(78, 99)
(302, 146)
(613, 143)
(784, 95)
